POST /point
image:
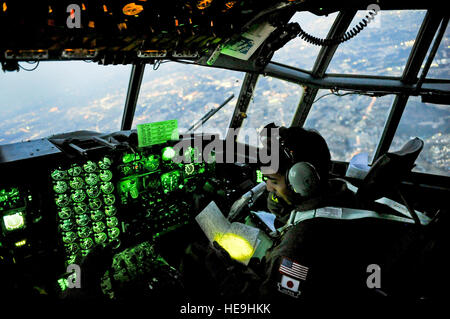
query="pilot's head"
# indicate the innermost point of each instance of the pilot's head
(304, 164)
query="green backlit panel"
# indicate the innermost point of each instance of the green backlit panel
(152, 171)
(10, 198)
(157, 189)
(259, 176)
(14, 221)
(12, 210)
(85, 200)
(157, 133)
(140, 263)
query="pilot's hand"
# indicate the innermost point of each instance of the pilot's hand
(219, 261)
(221, 252)
(231, 277)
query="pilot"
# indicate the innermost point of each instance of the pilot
(296, 144)
(291, 266)
(301, 183)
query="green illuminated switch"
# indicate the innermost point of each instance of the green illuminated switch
(60, 187)
(67, 225)
(78, 196)
(58, 175)
(75, 170)
(91, 179)
(109, 199)
(105, 175)
(90, 167)
(113, 233)
(69, 237)
(95, 203)
(93, 191)
(98, 227)
(110, 210)
(83, 220)
(86, 243)
(105, 163)
(112, 221)
(107, 187)
(62, 200)
(76, 183)
(100, 238)
(168, 153)
(81, 208)
(65, 213)
(97, 215)
(84, 232)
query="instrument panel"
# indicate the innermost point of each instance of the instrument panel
(58, 210)
(100, 199)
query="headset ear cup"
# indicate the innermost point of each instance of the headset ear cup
(303, 179)
(288, 183)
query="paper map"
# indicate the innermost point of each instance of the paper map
(248, 42)
(214, 224)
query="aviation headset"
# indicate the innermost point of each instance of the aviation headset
(301, 176)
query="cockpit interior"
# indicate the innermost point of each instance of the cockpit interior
(95, 96)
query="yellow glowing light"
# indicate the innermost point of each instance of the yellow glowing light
(238, 247)
(122, 26)
(229, 5)
(132, 9)
(5, 7)
(21, 243)
(203, 4)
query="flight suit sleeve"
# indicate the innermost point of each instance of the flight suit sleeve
(287, 266)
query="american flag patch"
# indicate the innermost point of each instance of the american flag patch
(293, 269)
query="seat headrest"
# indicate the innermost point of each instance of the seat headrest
(411, 149)
(389, 170)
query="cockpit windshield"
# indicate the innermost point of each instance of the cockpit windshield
(60, 97)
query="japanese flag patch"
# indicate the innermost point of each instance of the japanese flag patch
(292, 272)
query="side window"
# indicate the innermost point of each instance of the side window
(299, 53)
(351, 123)
(382, 48)
(440, 68)
(430, 122)
(273, 100)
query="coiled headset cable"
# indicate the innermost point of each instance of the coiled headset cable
(345, 37)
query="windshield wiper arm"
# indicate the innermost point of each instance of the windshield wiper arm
(208, 115)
